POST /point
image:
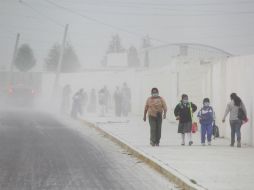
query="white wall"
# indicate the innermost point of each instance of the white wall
(216, 81)
(239, 78)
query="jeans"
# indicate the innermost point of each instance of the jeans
(235, 130)
(155, 129)
(206, 130)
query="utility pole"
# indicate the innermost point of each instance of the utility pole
(60, 61)
(13, 58)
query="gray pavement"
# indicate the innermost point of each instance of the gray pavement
(216, 167)
(39, 151)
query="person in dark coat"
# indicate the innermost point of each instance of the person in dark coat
(184, 114)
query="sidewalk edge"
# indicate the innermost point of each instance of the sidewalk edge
(185, 184)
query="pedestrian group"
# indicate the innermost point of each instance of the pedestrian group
(101, 101)
(156, 109)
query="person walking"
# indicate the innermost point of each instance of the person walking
(206, 118)
(184, 114)
(234, 108)
(77, 104)
(126, 100)
(157, 109)
(118, 101)
(102, 102)
(107, 99)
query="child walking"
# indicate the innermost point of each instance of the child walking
(206, 118)
(184, 113)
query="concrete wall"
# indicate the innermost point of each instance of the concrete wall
(236, 75)
(215, 81)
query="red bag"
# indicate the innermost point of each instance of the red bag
(194, 127)
(246, 120)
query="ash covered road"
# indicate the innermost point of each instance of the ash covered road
(39, 151)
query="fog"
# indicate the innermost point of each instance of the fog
(227, 25)
(123, 65)
(95, 45)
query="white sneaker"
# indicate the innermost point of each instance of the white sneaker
(209, 143)
(203, 144)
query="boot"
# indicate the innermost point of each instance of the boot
(239, 144)
(232, 144)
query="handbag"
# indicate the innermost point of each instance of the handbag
(194, 127)
(216, 132)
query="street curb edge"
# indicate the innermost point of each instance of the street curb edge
(156, 166)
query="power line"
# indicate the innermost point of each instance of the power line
(165, 14)
(173, 12)
(99, 21)
(168, 7)
(171, 7)
(161, 4)
(42, 14)
(25, 40)
(176, 12)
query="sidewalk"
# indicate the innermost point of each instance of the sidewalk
(216, 167)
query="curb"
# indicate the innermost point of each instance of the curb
(182, 181)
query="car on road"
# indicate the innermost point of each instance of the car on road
(20, 95)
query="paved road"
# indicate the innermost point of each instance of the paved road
(37, 152)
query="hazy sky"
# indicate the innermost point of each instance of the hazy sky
(225, 24)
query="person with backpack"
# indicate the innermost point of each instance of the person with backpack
(238, 114)
(184, 114)
(206, 119)
(157, 110)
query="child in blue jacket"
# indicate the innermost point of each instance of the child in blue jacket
(206, 118)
